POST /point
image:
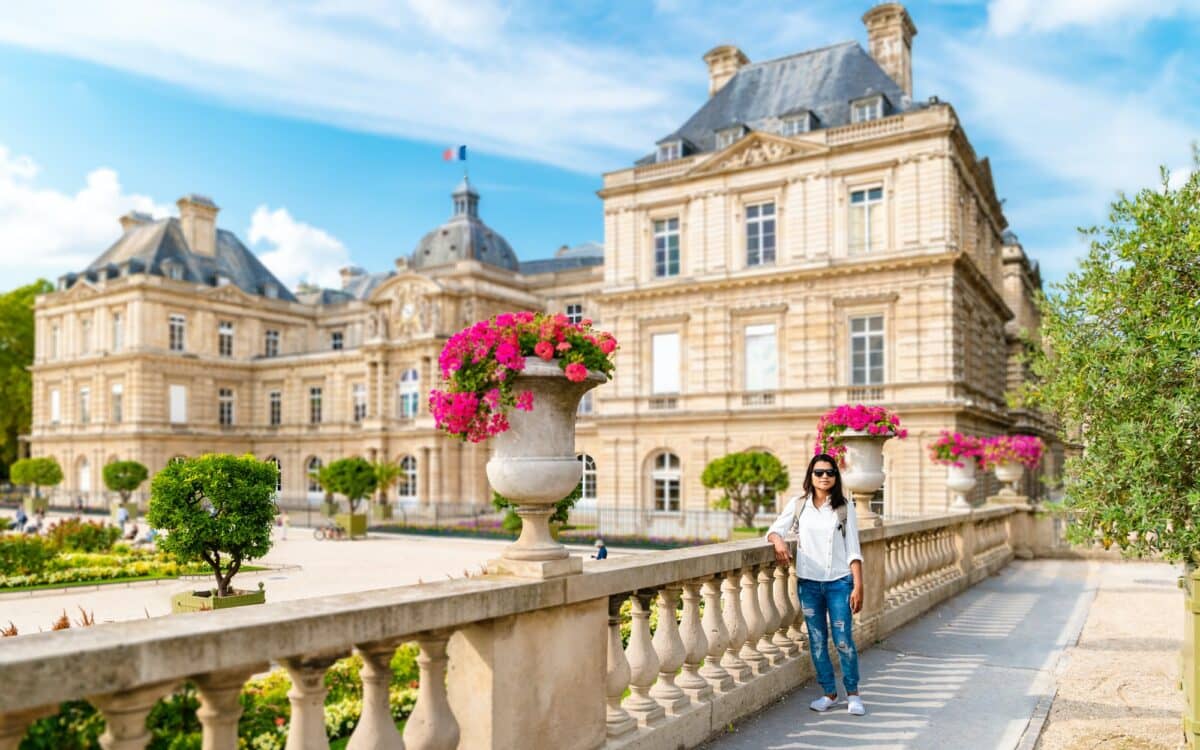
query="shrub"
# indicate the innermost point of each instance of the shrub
(124, 477)
(25, 555)
(36, 472)
(353, 477)
(74, 534)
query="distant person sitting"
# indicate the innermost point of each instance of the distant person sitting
(35, 525)
(133, 532)
(601, 550)
(147, 539)
(20, 520)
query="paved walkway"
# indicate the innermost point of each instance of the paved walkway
(972, 673)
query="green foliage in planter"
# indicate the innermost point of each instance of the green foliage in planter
(77, 535)
(216, 508)
(562, 509)
(124, 477)
(353, 477)
(747, 480)
(36, 472)
(1119, 365)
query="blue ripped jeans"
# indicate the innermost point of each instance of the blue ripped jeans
(826, 607)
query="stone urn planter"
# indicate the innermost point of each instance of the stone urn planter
(863, 473)
(202, 601)
(961, 480)
(1009, 472)
(534, 465)
(355, 524)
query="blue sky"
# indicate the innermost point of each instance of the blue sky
(317, 126)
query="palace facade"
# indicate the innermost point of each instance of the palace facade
(812, 235)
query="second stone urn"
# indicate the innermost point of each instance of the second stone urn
(534, 465)
(1009, 472)
(863, 473)
(961, 480)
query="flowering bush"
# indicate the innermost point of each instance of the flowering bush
(478, 364)
(1026, 450)
(875, 420)
(953, 449)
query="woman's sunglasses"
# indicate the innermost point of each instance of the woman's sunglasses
(824, 473)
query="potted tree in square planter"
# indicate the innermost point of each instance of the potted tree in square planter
(216, 508)
(355, 478)
(386, 475)
(36, 473)
(962, 455)
(124, 477)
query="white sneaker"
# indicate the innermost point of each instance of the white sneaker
(855, 705)
(823, 704)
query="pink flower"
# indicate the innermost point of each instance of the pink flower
(544, 349)
(608, 346)
(505, 320)
(525, 400)
(576, 372)
(564, 346)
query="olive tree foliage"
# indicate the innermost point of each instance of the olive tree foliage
(216, 508)
(36, 472)
(747, 480)
(1120, 367)
(353, 477)
(124, 477)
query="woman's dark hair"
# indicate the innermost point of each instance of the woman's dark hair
(836, 498)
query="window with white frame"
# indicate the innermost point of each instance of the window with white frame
(665, 476)
(85, 335)
(670, 150)
(359, 395)
(666, 247)
(174, 271)
(178, 404)
(54, 341)
(225, 406)
(760, 234)
(409, 393)
(275, 408)
(225, 338)
(271, 343)
(55, 406)
(313, 467)
(797, 124)
(588, 482)
(278, 475)
(178, 332)
(116, 404)
(866, 109)
(118, 332)
(406, 485)
(85, 405)
(575, 313)
(762, 358)
(314, 405)
(726, 137)
(866, 220)
(866, 350)
(337, 340)
(664, 351)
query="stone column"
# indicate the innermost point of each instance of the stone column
(735, 624)
(617, 719)
(307, 696)
(668, 646)
(643, 664)
(125, 715)
(695, 645)
(376, 730)
(718, 638)
(432, 725)
(754, 622)
(221, 705)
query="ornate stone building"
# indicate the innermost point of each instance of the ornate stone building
(812, 235)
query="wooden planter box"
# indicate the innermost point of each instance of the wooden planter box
(202, 601)
(355, 525)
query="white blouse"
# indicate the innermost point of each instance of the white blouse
(822, 555)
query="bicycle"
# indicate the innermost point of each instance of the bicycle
(329, 531)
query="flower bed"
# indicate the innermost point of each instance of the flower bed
(955, 449)
(85, 567)
(874, 420)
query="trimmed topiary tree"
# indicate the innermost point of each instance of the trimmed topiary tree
(353, 477)
(36, 472)
(747, 480)
(216, 508)
(124, 477)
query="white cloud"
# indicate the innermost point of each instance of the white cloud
(295, 251)
(1007, 17)
(45, 232)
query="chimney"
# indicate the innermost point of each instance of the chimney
(134, 219)
(198, 217)
(723, 62)
(349, 274)
(890, 31)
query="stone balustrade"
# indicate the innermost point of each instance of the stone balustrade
(504, 660)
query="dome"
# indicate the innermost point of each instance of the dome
(464, 237)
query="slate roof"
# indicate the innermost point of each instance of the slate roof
(146, 247)
(580, 256)
(465, 236)
(823, 81)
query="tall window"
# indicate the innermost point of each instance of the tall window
(406, 485)
(575, 313)
(666, 247)
(410, 393)
(178, 329)
(588, 489)
(115, 403)
(55, 406)
(225, 406)
(314, 405)
(336, 341)
(762, 358)
(178, 403)
(312, 468)
(359, 395)
(278, 476)
(665, 353)
(760, 234)
(666, 482)
(225, 338)
(54, 341)
(866, 220)
(118, 332)
(85, 405)
(85, 335)
(866, 350)
(271, 343)
(275, 408)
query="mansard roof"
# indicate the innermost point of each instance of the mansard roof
(580, 256)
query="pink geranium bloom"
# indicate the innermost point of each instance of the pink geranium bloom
(576, 372)
(564, 346)
(544, 349)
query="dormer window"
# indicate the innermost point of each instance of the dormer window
(729, 136)
(173, 270)
(797, 124)
(867, 108)
(270, 291)
(669, 150)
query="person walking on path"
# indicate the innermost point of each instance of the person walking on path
(829, 568)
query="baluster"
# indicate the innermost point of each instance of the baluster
(796, 626)
(432, 725)
(376, 730)
(125, 715)
(735, 623)
(643, 664)
(718, 638)
(307, 696)
(910, 568)
(770, 616)
(617, 719)
(695, 646)
(13, 726)
(922, 563)
(754, 622)
(787, 647)
(668, 645)
(891, 572)
(221, 705)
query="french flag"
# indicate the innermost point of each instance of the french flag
(457, 153)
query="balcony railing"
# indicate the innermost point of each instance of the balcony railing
(529, 651)
(761, 398)
(663, 403)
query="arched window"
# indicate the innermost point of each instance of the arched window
(406, 485)
(408, 394)
(83, 475)
(589, 478)
(312, 467)
(665, 476)
(278, 476)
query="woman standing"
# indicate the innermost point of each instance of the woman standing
(829, 566)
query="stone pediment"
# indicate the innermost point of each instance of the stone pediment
(756, 150)
(228, 293)
(406, 305)
(82, 289)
